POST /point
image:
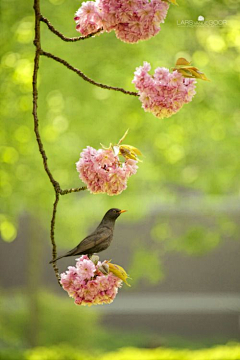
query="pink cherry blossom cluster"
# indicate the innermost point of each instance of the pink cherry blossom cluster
(87, 284)
(132, 20)
(102, 171)
(164, 93)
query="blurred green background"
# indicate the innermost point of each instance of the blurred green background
(190, 165)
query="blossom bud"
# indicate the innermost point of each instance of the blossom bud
(104, 268)
(94, 259)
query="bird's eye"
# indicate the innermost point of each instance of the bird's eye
(114, 211)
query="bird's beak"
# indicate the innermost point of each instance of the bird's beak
(122, 211)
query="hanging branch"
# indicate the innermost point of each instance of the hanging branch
(64, 38)
(69, 191)
(55, 184)
(35, 94)
(52, 236)
(38, 52)
(83, 76)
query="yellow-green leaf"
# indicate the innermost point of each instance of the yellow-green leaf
(184, 67)
(174, 2)
(119, 272)
(129, 152)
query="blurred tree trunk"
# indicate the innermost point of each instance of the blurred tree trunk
(34, 270)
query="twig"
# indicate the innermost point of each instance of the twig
(52, 235)
(35, 93)
(68, 191)
(55, 184)
(64, 38)
(83, 76)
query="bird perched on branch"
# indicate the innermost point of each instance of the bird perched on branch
(99, 240)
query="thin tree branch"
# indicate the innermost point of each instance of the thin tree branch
(52, 235)
(64, 38)
(83, 76)
(55, 184)
(68, 191)
(35, 93)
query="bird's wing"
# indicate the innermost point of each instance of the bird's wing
(98, 236)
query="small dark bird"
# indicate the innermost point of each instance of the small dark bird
(100, 239)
